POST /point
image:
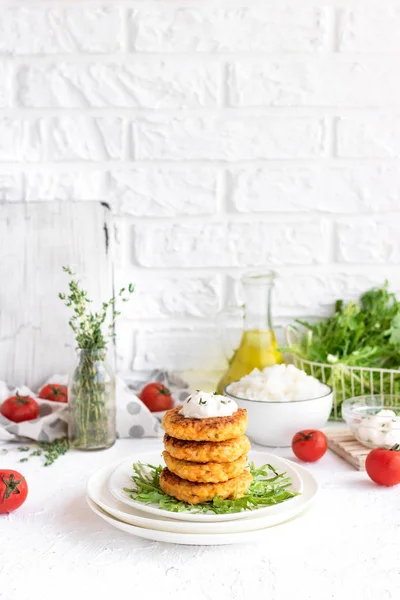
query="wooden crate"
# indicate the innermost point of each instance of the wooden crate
(343, 443)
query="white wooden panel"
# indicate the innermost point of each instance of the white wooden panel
(36, 239)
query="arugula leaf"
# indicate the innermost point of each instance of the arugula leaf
(363, 334)
(267, 488)
(395, 331)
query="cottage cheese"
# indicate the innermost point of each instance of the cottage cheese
(280, 383)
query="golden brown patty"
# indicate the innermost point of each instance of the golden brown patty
(203, 452)
(213, 429)
(187, 491)
(212, 472)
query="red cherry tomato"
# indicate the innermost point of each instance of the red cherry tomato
(13, 490)
(55, 392)
(383, 466)
(156, 397)
(309, 445)
(20, 408)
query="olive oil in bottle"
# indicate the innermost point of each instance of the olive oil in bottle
(258, 347)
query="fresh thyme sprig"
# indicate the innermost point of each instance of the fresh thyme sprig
(87, 325)
(50, 451)
(91, 391)
(267, 488)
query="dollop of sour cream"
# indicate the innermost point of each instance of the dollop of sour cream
(203, 405)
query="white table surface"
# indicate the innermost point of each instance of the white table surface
(54, 547)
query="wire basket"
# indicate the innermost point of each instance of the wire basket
(346, 381)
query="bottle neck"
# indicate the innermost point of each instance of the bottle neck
(94, 355)
(257, 314)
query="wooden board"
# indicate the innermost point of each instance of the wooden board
(343, 443)
(36, 239)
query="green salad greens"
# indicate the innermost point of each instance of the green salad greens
(363, 334)
(267, 488)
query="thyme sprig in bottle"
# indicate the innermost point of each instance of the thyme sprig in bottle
(91, 389)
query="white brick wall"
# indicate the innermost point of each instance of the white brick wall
(225, 135)
(132, 83)
(207, 27)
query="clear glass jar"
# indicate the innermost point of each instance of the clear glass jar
(374, 419)
(258, 347)
(91, 394)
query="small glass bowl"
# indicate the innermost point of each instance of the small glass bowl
(374, 420)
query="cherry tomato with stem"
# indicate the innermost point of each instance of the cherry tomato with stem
(309, 445)
(54, 392)
(156, 396)
(383, 466)
(13, 490)
(20, 408)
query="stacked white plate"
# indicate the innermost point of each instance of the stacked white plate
(107, 499)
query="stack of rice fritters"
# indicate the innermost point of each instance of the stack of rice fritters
(205, 457)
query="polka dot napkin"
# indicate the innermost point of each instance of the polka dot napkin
(133, 417)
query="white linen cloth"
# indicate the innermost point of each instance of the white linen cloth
(133, 418)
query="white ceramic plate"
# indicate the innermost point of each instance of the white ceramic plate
(208, 539)
(98, 492)
(121, 478)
